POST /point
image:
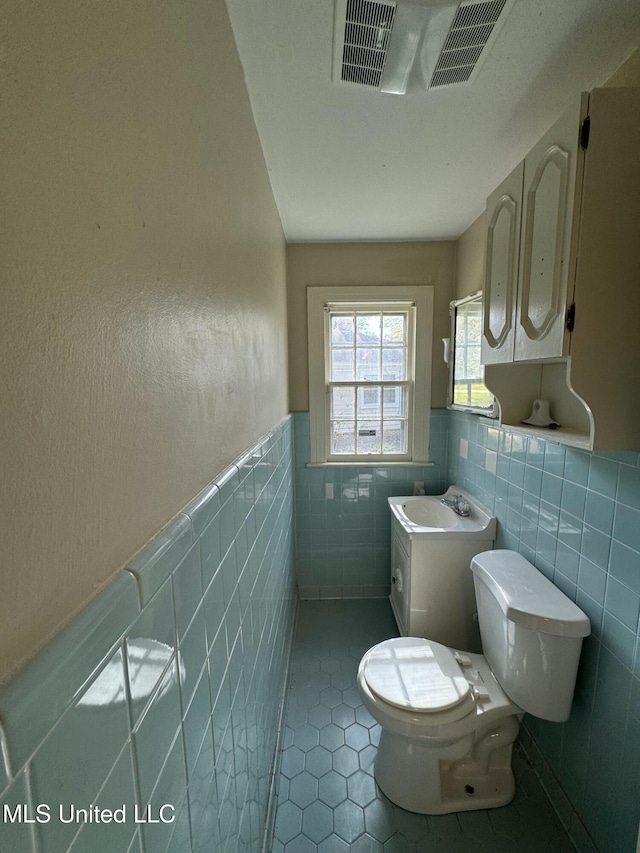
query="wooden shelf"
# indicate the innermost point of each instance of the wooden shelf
(561, 435)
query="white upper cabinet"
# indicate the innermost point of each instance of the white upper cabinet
(528, 245)
(565, 327)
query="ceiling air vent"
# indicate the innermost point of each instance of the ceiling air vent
(400, 46)
(363, 29)
(473, 27)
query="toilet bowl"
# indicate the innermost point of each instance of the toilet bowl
(449, 718)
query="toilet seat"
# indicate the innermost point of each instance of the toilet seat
(419, 676)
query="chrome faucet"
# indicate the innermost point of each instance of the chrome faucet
(458, 504)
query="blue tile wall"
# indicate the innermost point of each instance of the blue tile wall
(576, 516)
(167, 688)
(343, 525)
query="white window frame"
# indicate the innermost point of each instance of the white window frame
(421, 298)
(487, 411)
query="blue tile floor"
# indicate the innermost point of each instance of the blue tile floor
(328, 801)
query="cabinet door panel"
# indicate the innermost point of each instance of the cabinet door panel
(548, 210)
(542, 262)
(501, 269)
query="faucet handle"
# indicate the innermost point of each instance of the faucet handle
(464, 507)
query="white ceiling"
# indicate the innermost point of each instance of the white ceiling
(352, 164)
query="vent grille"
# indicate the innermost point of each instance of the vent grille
(367, 30)
(470, 31)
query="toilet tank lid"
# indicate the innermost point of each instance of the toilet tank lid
(527, 597)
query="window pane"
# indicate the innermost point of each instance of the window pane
(474, 368)
(342, 330)
(369, 329)
(369, 437)
(343, 402)
(395, 403)
(468, 373)
(368, 364)
(343, 438)
(342, 365)
(369, 403)
(394, 364)
(394, 437)
(394, 329)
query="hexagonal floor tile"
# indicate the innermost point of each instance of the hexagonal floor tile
(304, 663)
(319, 679)
(288, 822)
(399, 844)
(332, 788)
(348, 821)
(305, 737)
(319, 716)
(366, 844)
(317, 821)
(448, 826)
(345, 761)
(364, 717)
(342, 715)
(287, 737)
(318, 761)
(342, 806)
(306, 697)
(367, 759)
(378, 820)
(330, 665)
(361, 788)
(296, 714)
(283, 788)
(292, 762)
(413, 826)
(357, 737)
(330, 697)
(342, 680)
(351, 697)
(300, 844)
(303, 789)
(331, 737)
(333, 844)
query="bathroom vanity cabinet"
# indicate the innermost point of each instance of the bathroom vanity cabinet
(561, 316)
(432, 592)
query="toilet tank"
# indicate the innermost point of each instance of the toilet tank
(531, 633)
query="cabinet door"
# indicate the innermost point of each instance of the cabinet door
(501, 269)
(400, 578)
(550, 173)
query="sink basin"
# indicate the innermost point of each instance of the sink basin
(427, 517)
(428, 512)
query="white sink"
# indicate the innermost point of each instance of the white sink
(427, 517)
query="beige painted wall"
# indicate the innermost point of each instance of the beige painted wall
(143, 302)
(365, 263)
(470, 260)
(629, 72)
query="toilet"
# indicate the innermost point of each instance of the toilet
(449, 718)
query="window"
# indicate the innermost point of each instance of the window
(466, 373)
(369, 368)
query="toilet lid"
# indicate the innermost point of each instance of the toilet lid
(415, 674)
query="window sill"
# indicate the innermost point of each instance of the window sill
(380, 463)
